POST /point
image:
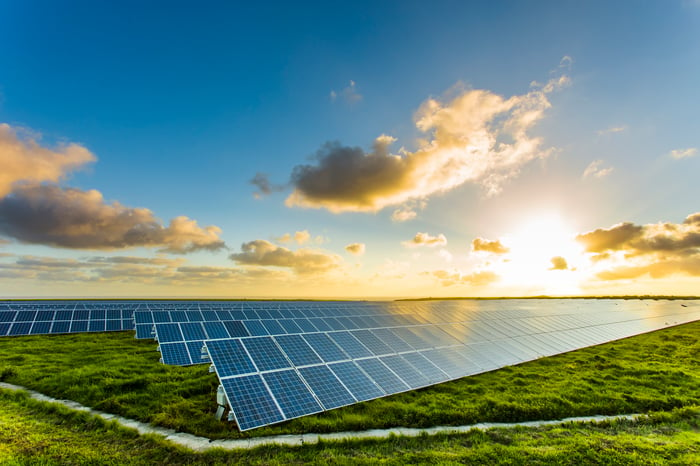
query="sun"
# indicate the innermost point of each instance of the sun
(543, 257)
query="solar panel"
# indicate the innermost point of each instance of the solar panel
(383, 376)
(326, 386)
(357, 382)
(298, 351)
(231, 357)
(265, 353)
(292, 395)
(240, 391)
(325, 347)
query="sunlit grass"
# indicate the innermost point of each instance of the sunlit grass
(33, 432)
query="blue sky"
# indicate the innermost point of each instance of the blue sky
(182, 104)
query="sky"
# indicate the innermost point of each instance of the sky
(367, 149)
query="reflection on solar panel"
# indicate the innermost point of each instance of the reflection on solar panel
(282, 360)
(341, 367)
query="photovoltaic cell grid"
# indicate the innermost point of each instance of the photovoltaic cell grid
(278, 320)
(40, 318)
(369, 363)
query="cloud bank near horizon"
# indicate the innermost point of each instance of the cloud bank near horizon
(36, 210)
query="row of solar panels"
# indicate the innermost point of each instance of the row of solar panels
(180, 343)
(33, 322)
(272, 379)
(181, 333)
(159, 311)
(269, 379)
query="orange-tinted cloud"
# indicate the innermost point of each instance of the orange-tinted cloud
(303, 261)
(477, 136)
(663, 238)
(628, 251)
(484, 245)
(424, 239)
(559, 263)
(300, 237)
(23, 160)
(356, 249)
(478, 278)
(72, 218)
(614, 238)
(134, 270)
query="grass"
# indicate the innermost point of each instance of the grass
(34, 432)
(115, 373)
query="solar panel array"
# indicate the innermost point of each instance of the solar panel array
(269, 379)
(41, 318)
(282, 360)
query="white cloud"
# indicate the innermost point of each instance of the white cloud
(683, 153)
(595, 169)
(445, 254)
(612, 130)
(403, 215)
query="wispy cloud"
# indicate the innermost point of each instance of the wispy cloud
(403, 215)
(264, 185)
(612, 130)
(348, 94)
(596, 170)
(408, 211)
(425, 239)
(477, 278)
(683, 153)
(477, 136)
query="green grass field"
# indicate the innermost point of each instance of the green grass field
(115, 373)
(33, 432)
